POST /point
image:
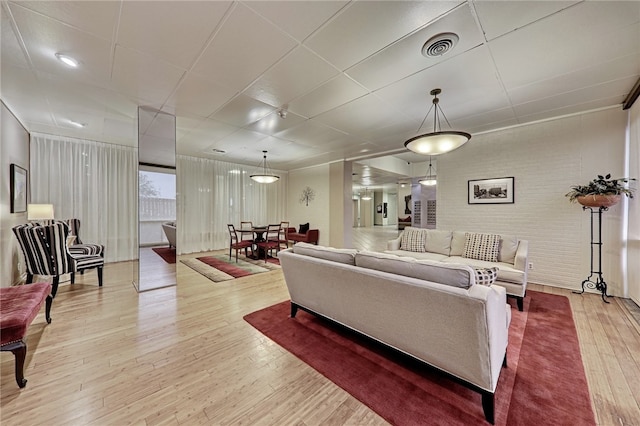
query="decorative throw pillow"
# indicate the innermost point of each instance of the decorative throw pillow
(304, 228)
(486, 276)
(481, 247)
(413, 240)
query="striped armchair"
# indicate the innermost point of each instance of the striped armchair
(46, 253)
(78, 247)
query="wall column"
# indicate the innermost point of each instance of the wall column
(340, 205)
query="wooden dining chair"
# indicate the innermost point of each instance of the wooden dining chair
(284, 229)
(246, 229)
(271, 241)
(237, 244)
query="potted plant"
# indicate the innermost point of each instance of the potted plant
(600, 192)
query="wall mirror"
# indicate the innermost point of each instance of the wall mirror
(157, 221)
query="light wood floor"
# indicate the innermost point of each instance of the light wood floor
(184, 355)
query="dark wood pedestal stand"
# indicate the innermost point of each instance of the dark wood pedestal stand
(599, 283)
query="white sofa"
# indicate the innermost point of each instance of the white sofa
(169, 229)
(449, 247)
(432, 311)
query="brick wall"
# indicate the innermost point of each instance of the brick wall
(545, 159)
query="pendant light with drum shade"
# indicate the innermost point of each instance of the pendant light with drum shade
(264, 175)
(439, 141)
(430, 179)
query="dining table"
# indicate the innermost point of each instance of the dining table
(257, 233)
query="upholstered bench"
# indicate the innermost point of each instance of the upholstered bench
(20, 305)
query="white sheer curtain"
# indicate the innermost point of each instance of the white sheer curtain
(94, 182)
(213, 193)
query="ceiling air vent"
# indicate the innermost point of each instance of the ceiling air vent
(439, 44)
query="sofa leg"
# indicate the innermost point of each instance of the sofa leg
(520, 301)
(294, 310)
(488, 406)
(504, 361)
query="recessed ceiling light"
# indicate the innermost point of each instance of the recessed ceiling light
(67, 60)
(77, 124)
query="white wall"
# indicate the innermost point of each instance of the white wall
(317, 212)
(633, 253)
(14, 149)
(545, 159)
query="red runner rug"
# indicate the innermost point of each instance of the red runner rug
(166, 253)
(543, 384)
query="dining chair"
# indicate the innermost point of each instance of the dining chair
(237, 244)
(284, 230)
(271, 241)
(246, 228)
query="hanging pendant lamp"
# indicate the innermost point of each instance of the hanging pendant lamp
(266, 176)
(430, 179)
(438, 141)
(366, 195)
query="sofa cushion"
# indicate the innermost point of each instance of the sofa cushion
(506, 271)
(481, 246)
(438, 241)
(303, 228)
(508, 248)
(413, 239)
(449, 274)
(328, 253)
(418, 256)
(486, 276)
(458, 239)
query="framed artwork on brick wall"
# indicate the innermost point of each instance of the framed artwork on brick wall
(491, 191)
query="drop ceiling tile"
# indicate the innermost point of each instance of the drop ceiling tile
(500, 17)
(297, 18)
(143, 76)
(195, 134)
(242, 111)
(98, 18)
(362, 115)
(298, 73)
(364, 27)
(466, 79)
(405, 57)
(617, 88)
(175, 32)
(45, 37)
(21, 90)
(199, 96)
(10, 50)
(600, 72)
(332, 94)
(571, 109)
(592, 32)
(236, 57)
(311, 134)
(272, 124)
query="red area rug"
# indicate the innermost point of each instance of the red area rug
(543, 384)
(166, 253)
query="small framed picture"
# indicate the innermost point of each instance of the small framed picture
(18, 182)
(491, 191)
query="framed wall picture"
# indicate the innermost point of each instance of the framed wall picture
(491, 191)
(18, 182)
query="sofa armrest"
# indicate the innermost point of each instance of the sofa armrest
(313, 235)
(394, 244)
(288, 231)
(521, 255)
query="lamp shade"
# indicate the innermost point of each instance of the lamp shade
(264, 175)
(40, 212)
(439, 141)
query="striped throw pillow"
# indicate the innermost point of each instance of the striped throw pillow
(481, 246)
(413, 239)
